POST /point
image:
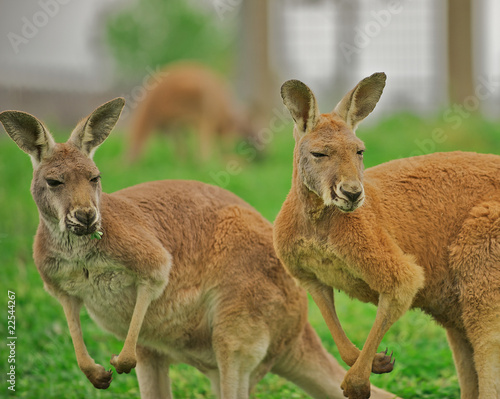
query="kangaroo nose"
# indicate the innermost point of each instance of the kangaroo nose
(353, 196)
(86, 216)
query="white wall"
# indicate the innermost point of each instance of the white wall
(332, 44)
(53, 44)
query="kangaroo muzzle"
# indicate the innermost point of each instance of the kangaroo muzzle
(348, 196)
(83, 221)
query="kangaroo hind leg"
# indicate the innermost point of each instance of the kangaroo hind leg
(487, 358)
(475, 261)
(463, 355)
(240, 354)
(152, 374)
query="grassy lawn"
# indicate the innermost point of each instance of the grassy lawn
(45, 361)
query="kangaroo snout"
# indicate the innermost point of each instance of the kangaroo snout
(351, 195)
(86, 217)
(82, 221)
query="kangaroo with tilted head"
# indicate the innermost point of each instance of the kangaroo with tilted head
(182, 271)
(422, 232)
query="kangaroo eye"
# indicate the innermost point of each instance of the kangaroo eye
(360, 152)
(95, 179)
(318, 155)
(53, 183)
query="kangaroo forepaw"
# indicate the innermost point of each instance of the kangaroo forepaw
(383, 363)
(99, 376)
(354, 387)
(123, 364)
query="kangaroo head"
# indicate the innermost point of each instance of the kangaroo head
(66, 183)
(328, 155)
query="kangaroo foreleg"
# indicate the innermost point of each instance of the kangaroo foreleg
(127, 359)
(97, 374)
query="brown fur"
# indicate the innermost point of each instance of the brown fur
(189, 94)
(422, 233)
(184, 272)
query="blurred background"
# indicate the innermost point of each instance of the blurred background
(60, 59)
(58, 56)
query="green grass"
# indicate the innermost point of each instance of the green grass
(45, 361)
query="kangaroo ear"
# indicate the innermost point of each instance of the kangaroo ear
(29, 134)
(92, 131)
(360, 101)
(300, 101)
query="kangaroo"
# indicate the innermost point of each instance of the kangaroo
(189, 94)
(421, 232)
(180, 270)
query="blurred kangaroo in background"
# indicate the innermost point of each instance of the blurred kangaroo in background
(188, 94)
(421, 232)
(182, 271)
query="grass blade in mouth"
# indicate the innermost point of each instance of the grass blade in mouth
(97, 235)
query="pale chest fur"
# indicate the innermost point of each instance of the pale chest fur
(106, 288)
(322, 260)
(177, 323)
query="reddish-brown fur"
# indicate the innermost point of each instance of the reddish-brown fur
(184, 272)
(423, 232)
(189, 94)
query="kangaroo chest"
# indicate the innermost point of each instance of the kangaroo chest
(177, 325)
(323, 261)
(94, 281)
(106, 288)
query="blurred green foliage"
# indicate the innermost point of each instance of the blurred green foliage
(152, 33)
